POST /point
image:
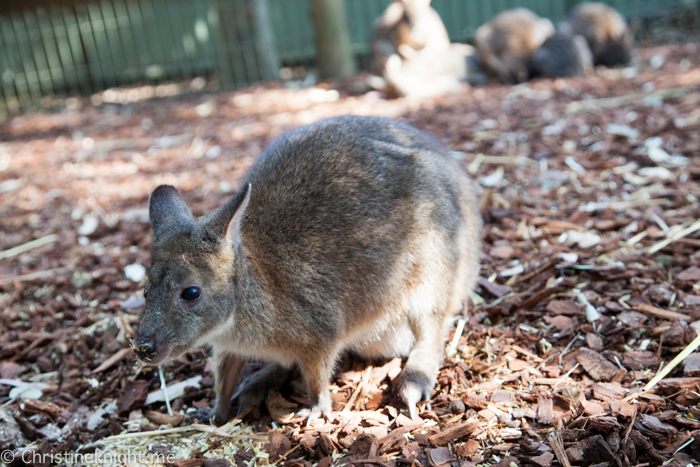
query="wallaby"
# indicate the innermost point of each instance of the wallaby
(406, 27)
(563, 55)
(353, 234)
(429, 73)
(507, 43)
(606, 31)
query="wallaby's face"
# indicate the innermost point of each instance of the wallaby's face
(189, 283)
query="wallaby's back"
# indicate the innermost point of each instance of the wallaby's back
(506, 44)
(606, 31)
(336, 205)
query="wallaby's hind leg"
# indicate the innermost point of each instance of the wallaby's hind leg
(256, 387)
(418, 378)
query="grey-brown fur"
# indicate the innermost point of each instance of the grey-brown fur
(563, 55)
(354, 233)
(606, 31)
(507, 43)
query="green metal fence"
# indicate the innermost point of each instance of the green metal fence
(79, 47)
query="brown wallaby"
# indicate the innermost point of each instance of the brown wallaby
(507, 43)
(406, 27)
(353, 234)
(606, 31)
(564, 55)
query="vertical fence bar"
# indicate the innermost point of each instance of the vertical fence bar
(33, 92)
(10, 86)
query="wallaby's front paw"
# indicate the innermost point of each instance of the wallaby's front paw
(208, 415)
(314, 413)
(415, 387)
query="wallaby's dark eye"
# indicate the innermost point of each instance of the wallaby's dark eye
(191, 294)
(145, 292)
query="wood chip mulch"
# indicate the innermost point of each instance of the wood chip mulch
(579, 304)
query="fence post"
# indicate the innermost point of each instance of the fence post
(333, 51)
(267, 51)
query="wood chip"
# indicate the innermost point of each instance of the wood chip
(661, 313)
(597, 366)
(453, 433)
(38, 406)
(113, 360)
(160, 418)
(557, 445)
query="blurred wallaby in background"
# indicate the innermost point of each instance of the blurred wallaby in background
(406, 27)
(351, 234)
(430, 74)
(563, 55)
(607, 33)
(507, 43)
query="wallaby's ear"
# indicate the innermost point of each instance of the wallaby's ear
(168, 211)
(224, 224)
(234, 225)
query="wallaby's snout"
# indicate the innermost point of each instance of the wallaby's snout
(145, 348)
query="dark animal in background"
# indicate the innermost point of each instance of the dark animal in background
(406, 27)
(353, 234)
(563, 55)
(605, 30)
(507, 43)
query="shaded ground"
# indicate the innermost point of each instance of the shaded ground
(573, 316)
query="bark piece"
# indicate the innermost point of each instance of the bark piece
(545, 460)
(658, 432)
(454, 432)
(392, 438)
(545, 412)
(597, 366)
(160, 418)
(592, 408)
(277, 445)
(8, 370)
(633, 319)
(604, 424)
(597, 450)
(608, 391)
(691, 365)
(640, 360)
(674, 385)
(475, 401)
(557, 445)
(563, 307)
(594, 341)
(439, 456)
(495, 289)
(38, 406)
(692, 274)
(661, 313)
(132, 396)
(574, 454)
(362, 444)
(468, 448)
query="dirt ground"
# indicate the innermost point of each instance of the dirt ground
(590, 279)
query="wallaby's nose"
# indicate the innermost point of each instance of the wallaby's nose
(144, 347)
